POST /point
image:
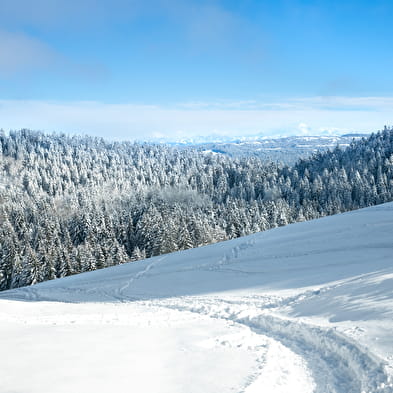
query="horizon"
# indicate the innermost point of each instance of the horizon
(185, 68)
(197, 139)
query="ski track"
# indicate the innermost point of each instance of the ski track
(337, 364)
(119, 292)
(306, 358)
(321, 358)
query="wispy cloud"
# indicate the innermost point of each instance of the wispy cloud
(210, 28)
(143, 122)
(60, 14)
(327, 103)
(24, 54)
(201, 28)
(20, 52)
(367, 104)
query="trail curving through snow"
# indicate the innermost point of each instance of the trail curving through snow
(316, 298)
(336, 363)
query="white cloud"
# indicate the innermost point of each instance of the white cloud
(346, 103)
(304, 129)
(143, 122)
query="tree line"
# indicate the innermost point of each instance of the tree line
(76, 204)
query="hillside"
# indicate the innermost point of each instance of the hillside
(75, 204)
(303, 308)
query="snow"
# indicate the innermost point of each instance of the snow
(209, 151)
(302, 308)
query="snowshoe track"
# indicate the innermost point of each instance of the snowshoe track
(337, 364)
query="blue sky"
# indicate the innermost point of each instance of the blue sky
(175, 68)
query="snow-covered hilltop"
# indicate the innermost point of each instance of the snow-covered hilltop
(302, 308)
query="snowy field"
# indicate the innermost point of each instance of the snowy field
(303, 308)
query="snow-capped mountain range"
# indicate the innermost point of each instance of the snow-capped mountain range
(286, 149)
(219, 138)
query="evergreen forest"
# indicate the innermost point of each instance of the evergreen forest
(72, 204)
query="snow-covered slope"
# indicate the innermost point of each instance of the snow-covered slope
(302, 308)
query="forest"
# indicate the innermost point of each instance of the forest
(71, 204)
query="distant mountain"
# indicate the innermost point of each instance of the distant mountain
(286, 150)
(355, 135)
